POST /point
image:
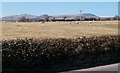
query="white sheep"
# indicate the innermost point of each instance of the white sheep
(77, 22)
(16, 21)
(70, 22)
(90, 22)
(58, 22)
(4, 21)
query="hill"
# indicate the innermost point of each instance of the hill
(43, 17)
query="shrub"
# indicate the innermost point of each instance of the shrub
(48, 53)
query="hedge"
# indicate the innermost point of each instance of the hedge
(59, 54)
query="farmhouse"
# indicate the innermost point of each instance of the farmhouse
(58, 19)
(70, 19)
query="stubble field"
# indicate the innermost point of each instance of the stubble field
(13, 30)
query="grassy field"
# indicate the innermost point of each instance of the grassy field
(59, 54)
(12, 30)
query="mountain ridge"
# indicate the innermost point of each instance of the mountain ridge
(42, 17)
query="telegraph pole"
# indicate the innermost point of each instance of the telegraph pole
(80, 15)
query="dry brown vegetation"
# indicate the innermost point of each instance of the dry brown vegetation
(59, 54)
(12, 30)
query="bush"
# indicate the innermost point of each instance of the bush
(48, 53)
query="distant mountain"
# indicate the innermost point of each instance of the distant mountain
(89, 15)
(86, 15)
(17, 17)
(43, 17)
(83, 15)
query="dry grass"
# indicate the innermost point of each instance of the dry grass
(12, 30)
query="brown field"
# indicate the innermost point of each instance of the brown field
(13, 30)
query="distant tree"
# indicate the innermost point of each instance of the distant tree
(91, 19)
(27, 20)
(77, 18)
(108, 18)
(46, 18)
(98, 19)
(85, 19)
(38, 20)
(64, 17)
(23, 19)
(53, 19)
(116, 17)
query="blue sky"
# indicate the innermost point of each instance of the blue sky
(59, 8)
(60, 0)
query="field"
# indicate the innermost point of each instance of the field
(12, 30)
(61, 49)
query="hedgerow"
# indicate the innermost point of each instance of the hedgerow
(52, 53)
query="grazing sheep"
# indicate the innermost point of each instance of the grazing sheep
(100, 22)
(77, 22)
(58, 22)
(70, 22)
(16, 21)
(90, 22)
(4, 21)
(43, 21)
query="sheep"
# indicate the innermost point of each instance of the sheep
(100, 22)
(16, 21)
(58, 22)
(77, 22)
(4, 21)
(90, 22)
(70, 22)
(43, 21)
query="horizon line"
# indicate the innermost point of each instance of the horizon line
(58, 14)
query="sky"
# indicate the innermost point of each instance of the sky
(59, 8)
(60, 0)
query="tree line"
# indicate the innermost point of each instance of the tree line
(24, 19)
